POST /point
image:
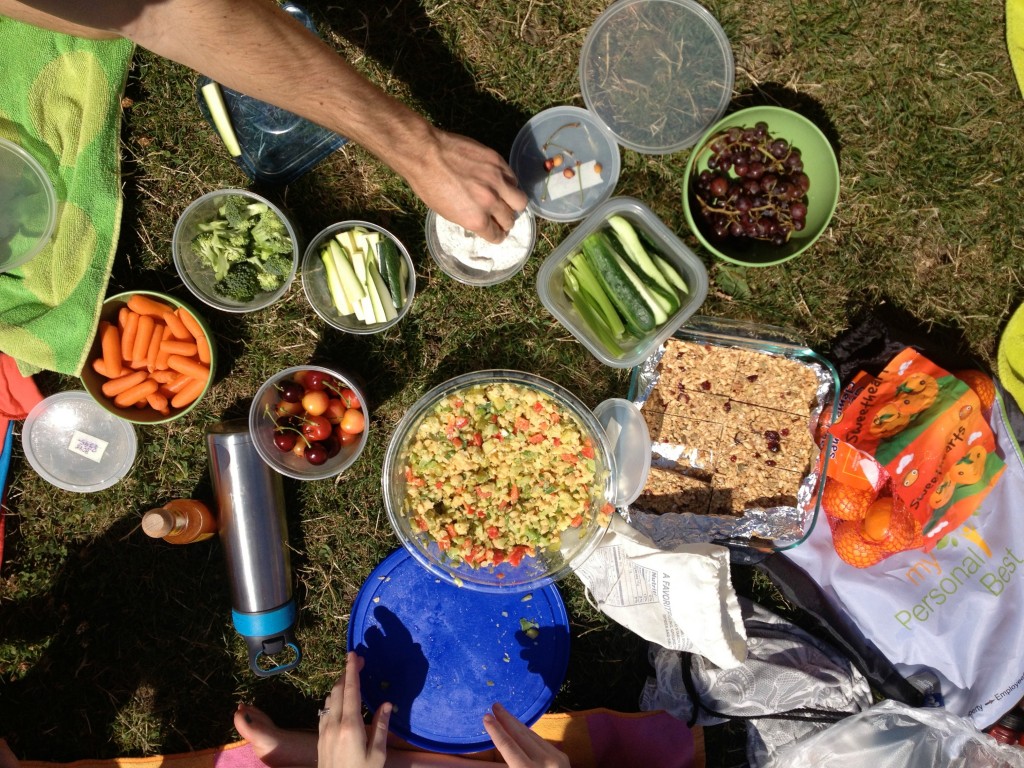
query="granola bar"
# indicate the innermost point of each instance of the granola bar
(730, 429)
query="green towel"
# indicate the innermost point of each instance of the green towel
(60, 100)
(1010, 357)
(1015, 38)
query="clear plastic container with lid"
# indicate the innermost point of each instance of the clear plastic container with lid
(76, 444)
(657, 73)
(654, 75)
(28, 206)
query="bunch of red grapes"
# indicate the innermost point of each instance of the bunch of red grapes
(754, 186)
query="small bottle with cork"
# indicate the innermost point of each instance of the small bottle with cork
(181, 521)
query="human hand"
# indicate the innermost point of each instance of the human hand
(518, 745)
(344, 741)
(468, 184)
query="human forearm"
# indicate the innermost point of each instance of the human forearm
(255, 47)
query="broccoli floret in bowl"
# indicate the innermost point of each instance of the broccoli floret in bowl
(222, 231)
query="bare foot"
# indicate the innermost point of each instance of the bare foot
(7, 758)
(276, 747)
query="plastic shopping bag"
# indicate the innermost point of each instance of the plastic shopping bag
(893, 735)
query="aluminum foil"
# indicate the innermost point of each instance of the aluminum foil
(768, 528)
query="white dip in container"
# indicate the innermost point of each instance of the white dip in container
(479, 255)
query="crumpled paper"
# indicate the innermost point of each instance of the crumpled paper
(681, 598)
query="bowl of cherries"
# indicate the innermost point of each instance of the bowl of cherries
(309, 422)
(762, 185)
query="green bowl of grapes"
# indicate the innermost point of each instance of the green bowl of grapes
(761, 186)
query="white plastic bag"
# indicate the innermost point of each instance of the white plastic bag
(893, 735)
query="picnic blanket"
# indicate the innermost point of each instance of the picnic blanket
(60, 101)
(592, 738)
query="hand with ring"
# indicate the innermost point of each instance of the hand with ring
(344, 740)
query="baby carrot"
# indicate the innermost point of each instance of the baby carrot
(189, 367)
(154, 346)
(197, 332)
(157, 401)
(184, 348)
(147, 306)
(164, 376)
(174, 386)
(139, 392)
(188, 394)
(101, 369)
(110, 343)
(123, 383)
(122, 317)
(176, 327)
(143, 336)
(131, 327)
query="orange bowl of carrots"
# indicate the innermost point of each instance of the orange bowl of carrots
(152, 360)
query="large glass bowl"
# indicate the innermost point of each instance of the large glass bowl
(532, 571)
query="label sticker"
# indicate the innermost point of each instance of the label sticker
(88, 446)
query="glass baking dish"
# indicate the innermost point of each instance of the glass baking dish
(765, 528)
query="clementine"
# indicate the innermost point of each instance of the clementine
(853, 548)
(844, 502)
(981, 383)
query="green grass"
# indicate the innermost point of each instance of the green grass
(114, 644)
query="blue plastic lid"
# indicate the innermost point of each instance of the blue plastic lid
(277, 146)
(442, 655)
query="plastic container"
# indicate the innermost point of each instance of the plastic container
(262, 426)
(781, 529)
(550, 281)
(180, 521)
(582, 146)
(197, 276)
(314, 281)
(475, 261)
(657, 73)
(443, 655)
(820, 165)
(277, 146)
(75, 444)
(548, 565)
(654, 74)
(93, 381)
(28, 206)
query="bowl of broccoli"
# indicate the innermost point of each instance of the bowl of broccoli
(236, 251)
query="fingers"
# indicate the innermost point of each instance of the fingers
(379, 731)
(518, 745)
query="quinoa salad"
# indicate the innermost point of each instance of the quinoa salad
(497, 472)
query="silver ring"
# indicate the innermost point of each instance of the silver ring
(323, 711)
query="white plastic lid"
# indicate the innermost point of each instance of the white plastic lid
(658, 73)
(631, 445)
(566, 161)
(76, 444)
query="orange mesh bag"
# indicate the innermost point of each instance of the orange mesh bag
(911, 457)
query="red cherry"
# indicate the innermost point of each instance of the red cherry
(316, 454)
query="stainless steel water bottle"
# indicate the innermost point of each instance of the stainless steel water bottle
(254, 535)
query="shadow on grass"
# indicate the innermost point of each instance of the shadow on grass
(778, 95)
(128, 625)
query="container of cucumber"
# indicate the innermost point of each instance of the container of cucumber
(358, 277)
(622, 282)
